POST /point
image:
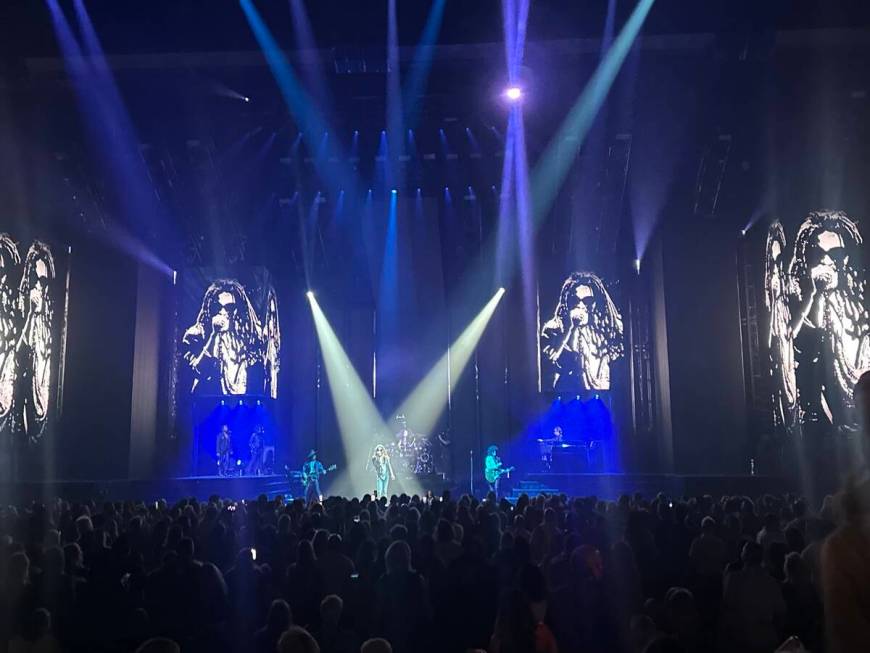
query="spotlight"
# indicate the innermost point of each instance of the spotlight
(223, 403)
(513, 93)
(259, 403)
(743, 232)
(501, 290)
(241, 402)
(394, 192)
(174, 277)
(310, 294)
(238, 463)
(246, 99)
(637, 265)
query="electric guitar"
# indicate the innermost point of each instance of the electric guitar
(492, 475)
(306, 476)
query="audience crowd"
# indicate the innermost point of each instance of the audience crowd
(413, 575)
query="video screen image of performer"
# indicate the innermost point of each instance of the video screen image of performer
(224, 450)
(781, 330)
(31, 340)
(383, 468)
(312, 470)
(583, 338)
(831, 328)
(9, 261)
(37, 343)
(227, 349)
(494, 469)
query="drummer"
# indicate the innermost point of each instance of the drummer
(406, 440)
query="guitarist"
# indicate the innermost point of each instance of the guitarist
(312, 470)
(493, 468)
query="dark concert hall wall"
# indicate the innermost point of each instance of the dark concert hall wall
(707, 403)
(96, 425)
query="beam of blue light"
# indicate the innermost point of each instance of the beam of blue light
(388, 292)
(506, 234)
(382, 175)
(109, 126)
(472, 141)
(515, 14)
(415, 83)
(394, 100)
(609, 23)
(312, 62)
(551, 169)
(525, 235)
(301, 106)
(339, 207)
(323, 149)
(445, 146)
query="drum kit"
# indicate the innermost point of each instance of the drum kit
(411, 453)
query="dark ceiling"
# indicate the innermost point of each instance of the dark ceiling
(139, 26)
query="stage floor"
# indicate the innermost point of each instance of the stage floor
(605, 486)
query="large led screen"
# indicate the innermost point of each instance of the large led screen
(818, 331)
(231, 335)
(33, 292)
(580, 336)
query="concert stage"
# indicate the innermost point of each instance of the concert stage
(605, 486)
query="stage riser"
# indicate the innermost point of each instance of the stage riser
(611, 486)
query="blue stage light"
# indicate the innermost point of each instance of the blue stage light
(394, 191)
(513, 93)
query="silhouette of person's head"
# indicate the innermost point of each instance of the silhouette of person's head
(159, 645)
(331, 608)
(376, 645)
(398, 557)
(297, 640)
(279, 618)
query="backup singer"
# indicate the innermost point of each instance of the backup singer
(255, 444)
(380, 462)
(224, 449)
